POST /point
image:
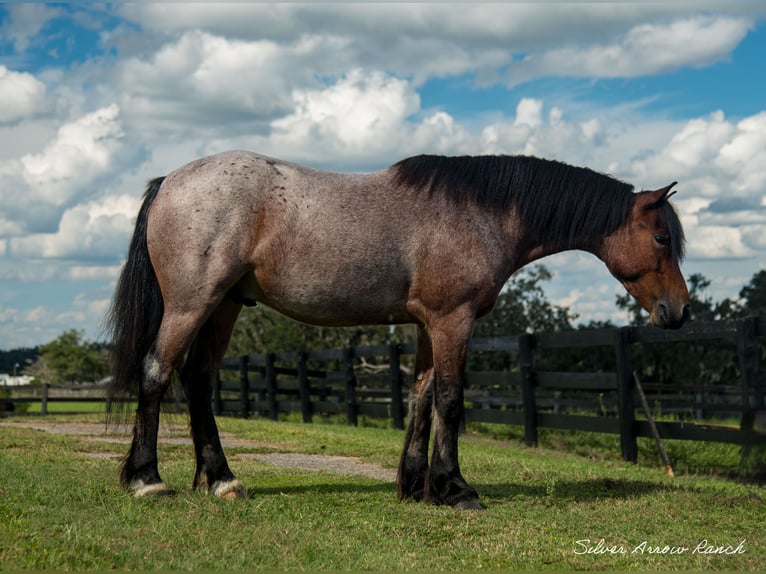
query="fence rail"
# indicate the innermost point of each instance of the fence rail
(332, 381)
(273, 383)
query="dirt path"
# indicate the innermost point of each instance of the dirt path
(177, 434)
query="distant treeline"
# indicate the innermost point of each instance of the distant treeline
(22, 357)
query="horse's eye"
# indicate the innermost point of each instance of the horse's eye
(662, 239)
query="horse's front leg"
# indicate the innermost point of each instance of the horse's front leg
(413, 465)
(444, 483)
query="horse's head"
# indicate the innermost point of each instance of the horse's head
(644, 254)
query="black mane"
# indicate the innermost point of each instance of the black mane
(561, 205)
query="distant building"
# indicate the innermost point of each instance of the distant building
(7, 380)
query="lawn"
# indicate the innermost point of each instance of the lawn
(572, 507)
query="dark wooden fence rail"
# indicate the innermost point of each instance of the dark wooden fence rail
(270, 384)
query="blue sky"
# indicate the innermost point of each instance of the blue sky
(96, 99)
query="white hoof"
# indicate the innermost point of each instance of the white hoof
(140, 489)
(228, 489)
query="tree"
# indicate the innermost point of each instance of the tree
(69, 358)
(753, 295)
(522, 307)
(16, 360)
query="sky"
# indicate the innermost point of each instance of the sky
(96, 99)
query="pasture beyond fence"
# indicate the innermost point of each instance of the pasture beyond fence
(372, 381)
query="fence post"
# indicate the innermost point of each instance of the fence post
(305, 389)
(351, 407)
(749, 363)
(244, 386)
(626, 406)
(44, 399)
(397, 401)
(271, 387)
(217, 401)
(527, 367)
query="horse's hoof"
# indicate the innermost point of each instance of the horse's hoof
(228, 489)
(469, 504)
(140, 489)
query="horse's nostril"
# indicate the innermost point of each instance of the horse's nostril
(687, 313)
(662, 311)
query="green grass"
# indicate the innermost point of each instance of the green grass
(61, 507)
(79, 407)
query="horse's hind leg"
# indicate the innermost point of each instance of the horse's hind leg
(413, 465)
(140, 473)
(198, 375)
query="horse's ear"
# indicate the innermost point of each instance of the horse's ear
(655, 199)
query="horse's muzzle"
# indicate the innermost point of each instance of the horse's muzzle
(669, 316)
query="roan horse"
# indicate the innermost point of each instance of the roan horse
(431, 241)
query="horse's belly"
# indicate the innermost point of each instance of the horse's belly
(331, 295)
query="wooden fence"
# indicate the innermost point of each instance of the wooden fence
(332, 382)
(339, 382)
(14, 398)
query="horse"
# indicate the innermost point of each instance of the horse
(431, 240)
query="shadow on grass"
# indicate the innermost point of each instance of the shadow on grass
(573, 490)
(324, 488)
(588, 490)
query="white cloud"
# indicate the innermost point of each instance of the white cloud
(37, 187)
(720, 165)
(716, 242)
(529, 113)
(98, 230)
(644, 50)
(532, 132)
(22, 95)
(25, 22)
(95, 272)
(744, 155)
(202, 80)
(438, 133)
(82, 150)
(754, 237)
(440, 39)
(28, 327)
(690, 154)
(359, 114)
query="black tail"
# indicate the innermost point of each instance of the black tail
(136, 313)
